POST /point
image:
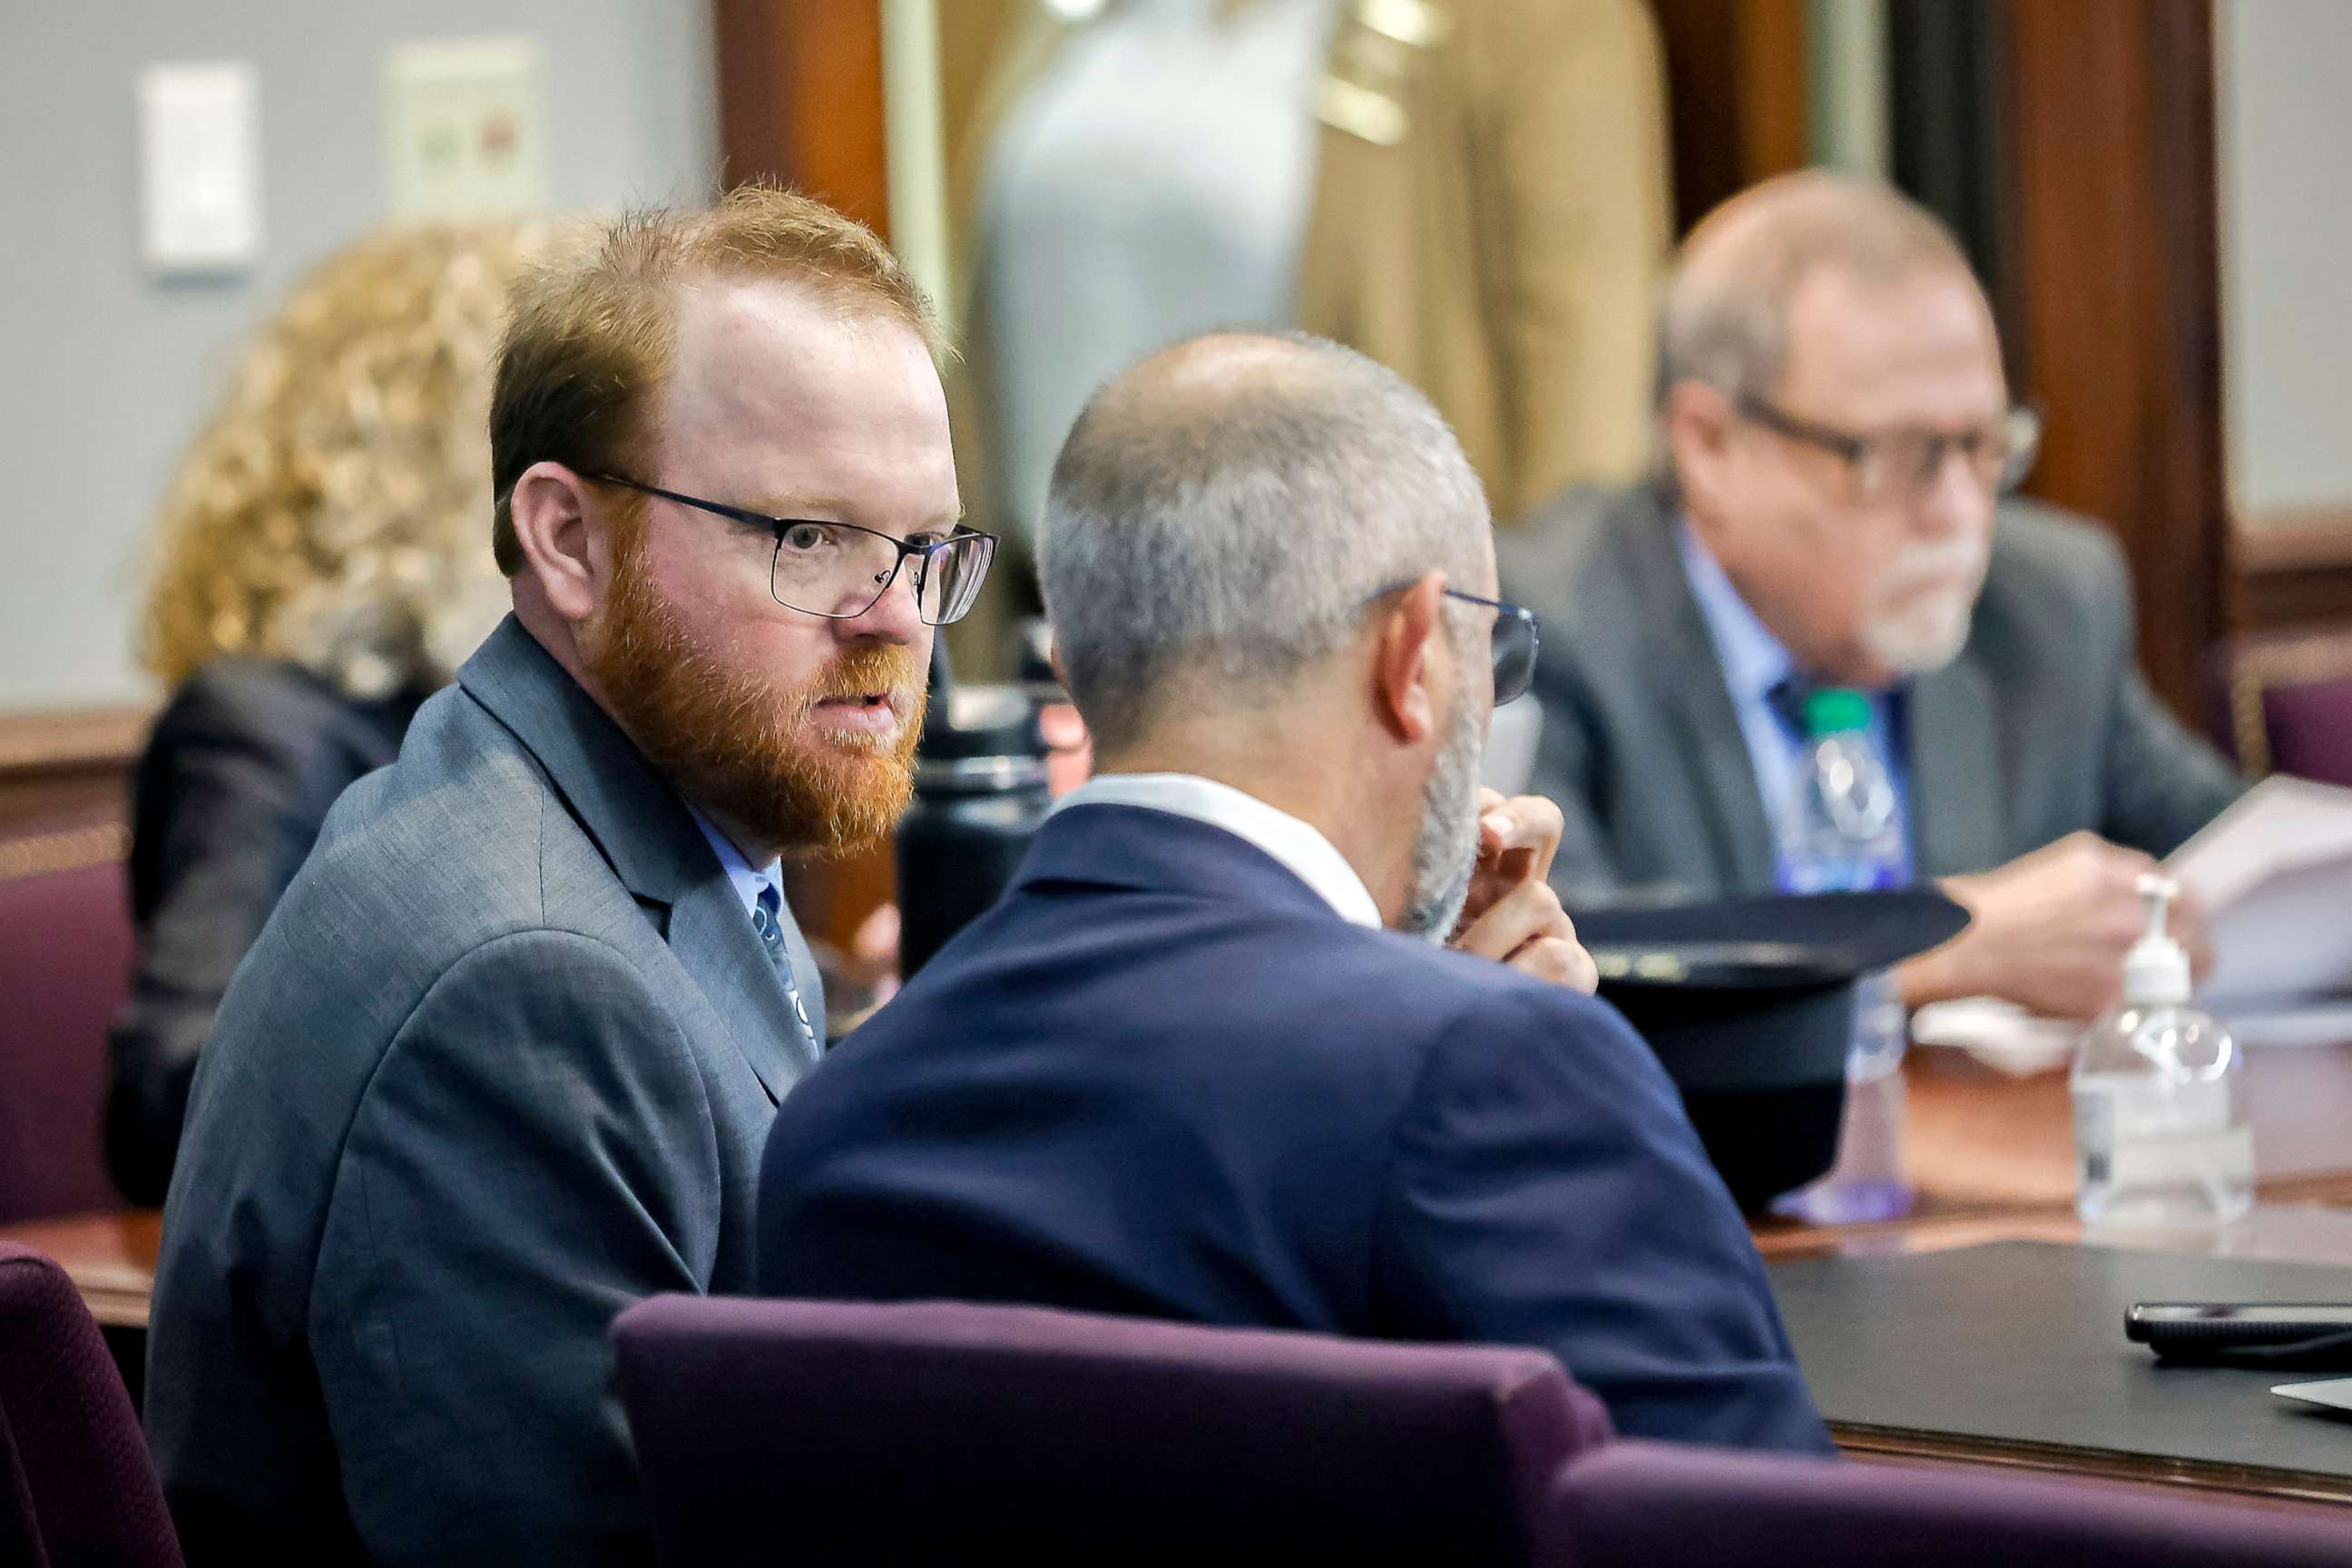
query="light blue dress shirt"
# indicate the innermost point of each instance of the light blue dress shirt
(751, 885)
(747, 881)
(1754, 662)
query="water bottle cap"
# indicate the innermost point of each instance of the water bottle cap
(1832, 711)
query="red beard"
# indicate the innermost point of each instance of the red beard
(739, 747)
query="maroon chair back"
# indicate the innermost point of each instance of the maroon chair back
(851, 1433)
(20, 1538)
(76, 1481)
(65, 972)
(1651, 1505)
(2284, 704)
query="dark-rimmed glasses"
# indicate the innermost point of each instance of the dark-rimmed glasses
(1906, 462)
(840, 571)
(1515, 639)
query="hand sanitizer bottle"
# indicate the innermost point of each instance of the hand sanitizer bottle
(2160, 1133)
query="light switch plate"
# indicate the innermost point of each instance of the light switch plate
(462, 128)
(200, 167)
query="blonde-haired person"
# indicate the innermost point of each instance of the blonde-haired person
(319, 569)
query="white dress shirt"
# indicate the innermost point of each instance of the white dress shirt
(1300, 849)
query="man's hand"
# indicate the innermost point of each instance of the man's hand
(2049, 931)
(1512, 915)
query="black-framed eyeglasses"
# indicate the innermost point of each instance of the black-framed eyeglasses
(1999, 453)
(1515, 639)
(840, 571)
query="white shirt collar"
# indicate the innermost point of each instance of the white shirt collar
(1301, 850)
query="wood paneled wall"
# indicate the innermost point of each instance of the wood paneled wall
(1737, 96)
(800, 99)
(800, 103)
(67, 769)
(2292, 569)
(2115, 243)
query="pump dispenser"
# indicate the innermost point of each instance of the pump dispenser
(2160, 1135)
(2155, 970)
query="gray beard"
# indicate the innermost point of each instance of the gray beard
(1445, 850)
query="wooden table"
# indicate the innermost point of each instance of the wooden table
(1993, 1159)
(110, 1257)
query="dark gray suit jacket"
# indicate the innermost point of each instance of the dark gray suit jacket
(2043, 726)
(502, 1062)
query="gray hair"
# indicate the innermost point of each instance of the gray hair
(1723, 322)
(1219, 514)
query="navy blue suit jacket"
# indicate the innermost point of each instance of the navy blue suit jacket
(1161, 1076)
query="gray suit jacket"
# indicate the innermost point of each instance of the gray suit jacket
(502, 1062)
(2043, 726)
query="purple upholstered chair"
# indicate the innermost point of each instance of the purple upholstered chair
(848, 1433)
(2284, 703)
(76, 1484)
(65, 969)
(1651, 1505)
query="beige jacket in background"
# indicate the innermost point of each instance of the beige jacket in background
(1490, 216)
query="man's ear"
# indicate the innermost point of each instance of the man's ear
(550, 507)
(1405, 634)
(1696, 428)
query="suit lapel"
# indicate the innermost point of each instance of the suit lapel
(1686, 683)
(714, 942)
(642, 828)
(1954, 768)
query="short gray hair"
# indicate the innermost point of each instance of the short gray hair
(1220, 513)
(1723, 322)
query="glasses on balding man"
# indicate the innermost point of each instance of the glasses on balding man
(840, 571)
(1515, 639)
(1906, 462)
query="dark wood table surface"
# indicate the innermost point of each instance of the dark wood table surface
(1991, 1156)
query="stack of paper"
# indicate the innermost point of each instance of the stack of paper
(2273, 875)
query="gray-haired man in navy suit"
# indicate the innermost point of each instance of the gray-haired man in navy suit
(503, 1058)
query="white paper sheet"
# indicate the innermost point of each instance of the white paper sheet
(2274, 876)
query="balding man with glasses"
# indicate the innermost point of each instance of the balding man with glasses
(1279, 1024)
(1837, 448)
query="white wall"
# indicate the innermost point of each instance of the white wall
(2284, 114)
(104, 372)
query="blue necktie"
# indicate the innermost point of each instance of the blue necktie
(1787, 699)
(764, 921)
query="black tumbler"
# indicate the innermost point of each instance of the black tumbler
(979, 794)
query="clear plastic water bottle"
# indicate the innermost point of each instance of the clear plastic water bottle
(2161, 1139)
(1843, 834)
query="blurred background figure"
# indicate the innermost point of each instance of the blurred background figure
(322, 566)
(1837, 444)
(1473, 193)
